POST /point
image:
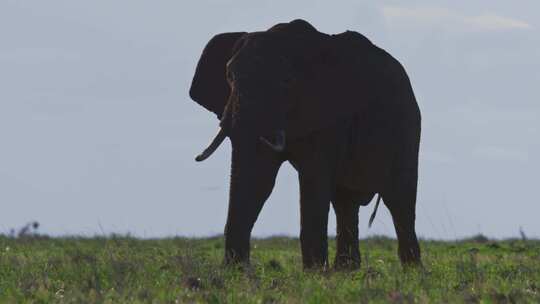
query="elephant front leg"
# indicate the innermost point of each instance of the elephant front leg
(314, 206)
(347, 251)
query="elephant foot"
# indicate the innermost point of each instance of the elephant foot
(316, 260)
(409, 255)
(316, 266)
(237, 249)
(344, 262)
(232, 259)
(314, 252)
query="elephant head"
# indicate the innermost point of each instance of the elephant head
(268, 89)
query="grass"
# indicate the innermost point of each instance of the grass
(121, 269)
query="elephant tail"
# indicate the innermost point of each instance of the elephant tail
(372, 217)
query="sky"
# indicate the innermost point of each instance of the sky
(98, 134)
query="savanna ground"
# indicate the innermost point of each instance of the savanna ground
(122, 269)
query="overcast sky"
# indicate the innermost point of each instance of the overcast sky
(98, 134)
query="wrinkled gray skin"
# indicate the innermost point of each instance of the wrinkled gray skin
(341, 110)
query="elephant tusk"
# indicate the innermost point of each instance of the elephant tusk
(372, 217)
(220, 136)
(279, 145)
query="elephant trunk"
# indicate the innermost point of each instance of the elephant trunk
(243, 205)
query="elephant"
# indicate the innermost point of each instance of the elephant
(338, 108)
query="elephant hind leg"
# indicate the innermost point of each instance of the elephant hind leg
(401, 201)
(346, 204)
(314, 206)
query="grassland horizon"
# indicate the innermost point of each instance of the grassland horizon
(36, 268)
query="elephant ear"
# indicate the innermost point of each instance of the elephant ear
(337, 83)
(209, 87)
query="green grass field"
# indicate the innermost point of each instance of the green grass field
(127, 270)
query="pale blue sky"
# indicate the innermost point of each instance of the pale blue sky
(97, 132)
